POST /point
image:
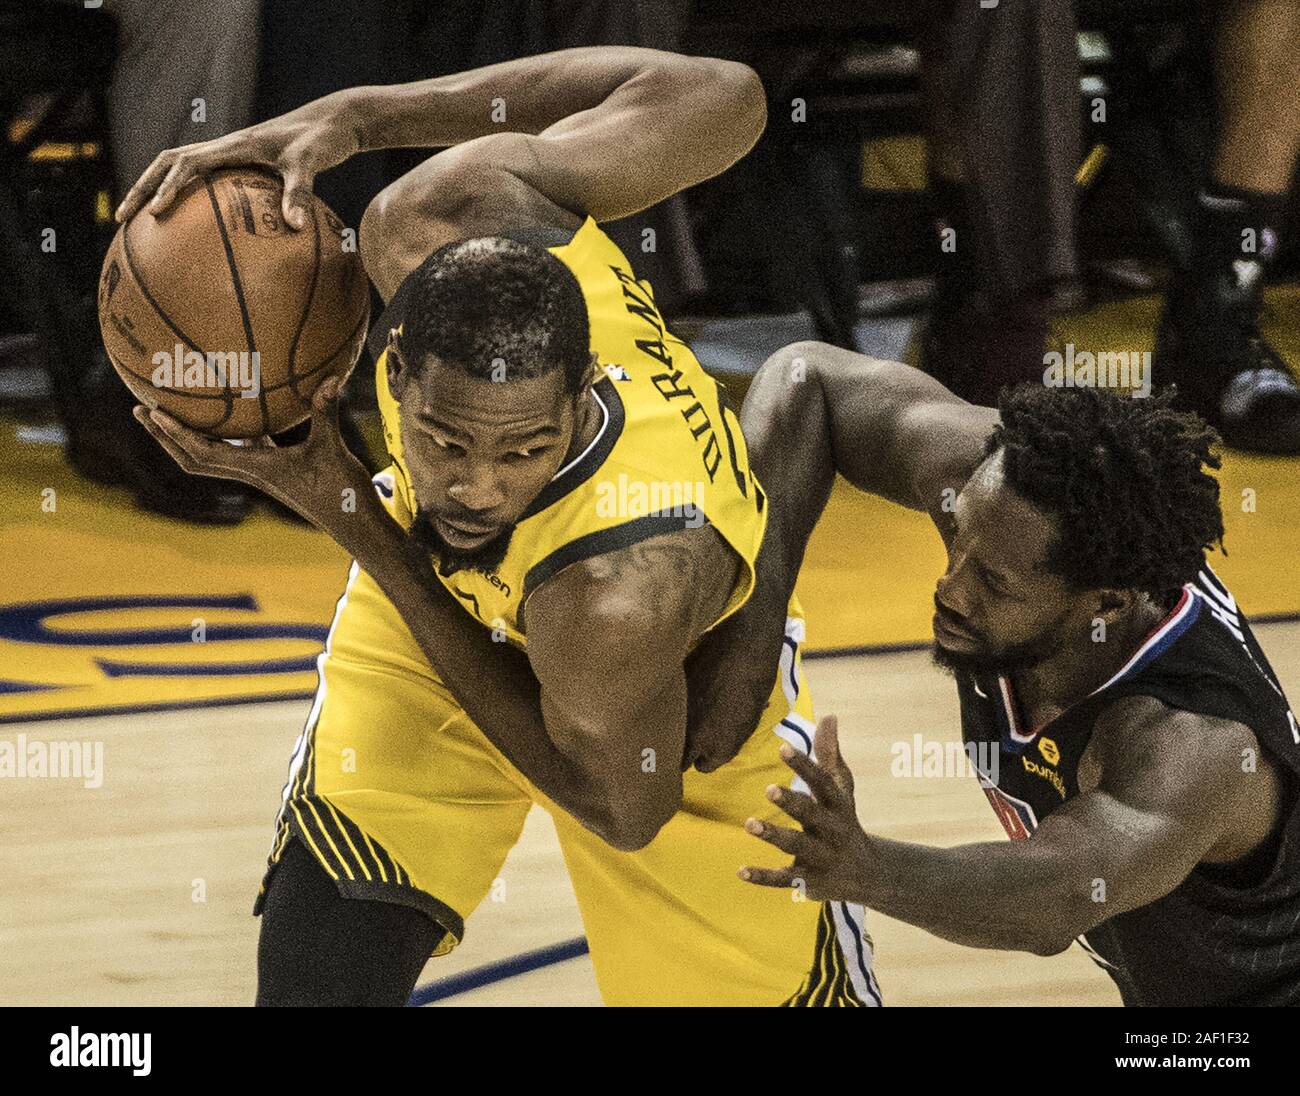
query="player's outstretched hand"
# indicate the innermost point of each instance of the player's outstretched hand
(297, 146)
(831, 852)
(318, 478)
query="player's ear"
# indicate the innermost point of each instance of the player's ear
(397, 371)
(1111, 605)
(594, 373)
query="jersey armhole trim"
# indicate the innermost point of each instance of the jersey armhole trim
(600, 543)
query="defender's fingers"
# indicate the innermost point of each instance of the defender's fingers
(818, 779)
(826, 747)
(826, 742)
(797, 843)
(802, 808)
(770, 877)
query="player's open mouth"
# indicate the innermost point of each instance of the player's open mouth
(463, 536)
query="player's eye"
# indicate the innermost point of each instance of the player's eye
(450, 447)
(517, 455)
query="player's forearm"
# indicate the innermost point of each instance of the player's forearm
(889, 429)
(619, 751)
(1009, 896)
(527, 95)
(785, 423)
(493, 682)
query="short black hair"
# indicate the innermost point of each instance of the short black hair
(1124, 477)
(484, 303)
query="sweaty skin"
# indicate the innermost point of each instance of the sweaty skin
(1147, 814)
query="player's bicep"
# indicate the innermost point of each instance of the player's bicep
(1118, 856)
(892, 430)
(1172, 784)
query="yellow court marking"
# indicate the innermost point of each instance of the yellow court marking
(76, 629)
(867, 581)
(249, 607)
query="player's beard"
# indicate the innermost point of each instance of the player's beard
(486, 557)
(1004, 662)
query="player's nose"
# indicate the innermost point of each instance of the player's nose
(950, 595)
(477, 489)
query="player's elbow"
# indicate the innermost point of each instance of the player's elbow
(627, 838)
(1066, 914)
(1053, 943)
(746, 98)
(793, 377)
(631, 828)
(723, 104)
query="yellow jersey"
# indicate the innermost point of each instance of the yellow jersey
(428, 816)
(669, 453)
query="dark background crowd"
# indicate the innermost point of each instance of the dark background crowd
(1079, 152)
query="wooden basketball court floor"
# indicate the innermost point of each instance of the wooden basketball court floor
(99, 904)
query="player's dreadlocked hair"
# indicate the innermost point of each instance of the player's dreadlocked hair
(497, 309)
(1125, 479)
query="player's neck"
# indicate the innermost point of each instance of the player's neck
(1067, 677)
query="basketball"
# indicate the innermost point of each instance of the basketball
(222, 315)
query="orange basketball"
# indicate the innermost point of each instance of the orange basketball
(225, 317)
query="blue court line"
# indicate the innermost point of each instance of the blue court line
(269, 698)
(499, 971)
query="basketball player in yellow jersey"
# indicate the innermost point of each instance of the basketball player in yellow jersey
(569, 511)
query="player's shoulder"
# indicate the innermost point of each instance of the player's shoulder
(661, 585)
(1202, 771)
(1136, 738)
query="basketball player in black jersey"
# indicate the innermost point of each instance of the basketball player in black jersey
(1147, 759)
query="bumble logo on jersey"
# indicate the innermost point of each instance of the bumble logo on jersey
(1050, 751)
(1050, 775)
(668, 454)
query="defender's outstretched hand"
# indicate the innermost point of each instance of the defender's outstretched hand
(831, 851)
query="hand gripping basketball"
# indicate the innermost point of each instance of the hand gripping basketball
(317, 478)
(296, 146)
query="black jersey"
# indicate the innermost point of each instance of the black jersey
(1224, 935)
